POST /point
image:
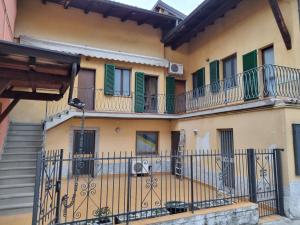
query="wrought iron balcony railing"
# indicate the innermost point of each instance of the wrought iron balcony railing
(259, 83)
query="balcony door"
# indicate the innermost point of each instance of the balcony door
(86, 88)
(250, 79)
(269, 75)
(150, 94)
(180, 102)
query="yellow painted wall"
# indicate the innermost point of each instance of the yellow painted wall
(292, 116)
(262, 129)
(53, 22)
(248, 27)
(107, 139)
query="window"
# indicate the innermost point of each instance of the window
(229, 72)
(122, 82)
(146, 143)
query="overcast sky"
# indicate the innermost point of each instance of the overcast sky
(185, 6)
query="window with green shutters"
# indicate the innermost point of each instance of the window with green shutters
(170, 94)
(199, 83)
(250, 76)
(109, 78)
(139, 105)
(214, 76)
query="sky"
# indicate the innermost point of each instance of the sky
(184, 6)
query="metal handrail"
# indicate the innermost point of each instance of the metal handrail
(258, 83)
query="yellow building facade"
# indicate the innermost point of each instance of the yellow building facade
(264, 122)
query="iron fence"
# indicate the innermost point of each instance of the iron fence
(258, 83)
(119, 188)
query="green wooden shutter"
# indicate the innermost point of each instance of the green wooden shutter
(250, 75)
(170, 94)
(139, 105)
(214, 76)
(201, 81)
(109, 79)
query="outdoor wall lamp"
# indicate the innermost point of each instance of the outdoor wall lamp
(75, 102)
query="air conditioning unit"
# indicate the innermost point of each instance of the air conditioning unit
(175, 68)
(140, 167)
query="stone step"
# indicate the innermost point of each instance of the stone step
(19, 156)
(17, 179)
(17, 163)
(24, 149)
(16, 209)
(16, 188)
(23, 144)
(14, 171)
(25, 132)
(11, 138)
(25, 126)
(17, 198)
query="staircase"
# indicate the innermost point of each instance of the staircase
(17, 167)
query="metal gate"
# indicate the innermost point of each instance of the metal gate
(114, 191)
(47, 194)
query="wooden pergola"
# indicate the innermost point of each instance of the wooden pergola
(32, 73)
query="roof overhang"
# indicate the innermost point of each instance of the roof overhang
(204, 15)
(122, 11)
(33, 73)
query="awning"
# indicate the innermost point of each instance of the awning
(34, 73)
(94, 52)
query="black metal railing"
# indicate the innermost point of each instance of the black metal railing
(255, 84)
(122, 187)
(259, 83)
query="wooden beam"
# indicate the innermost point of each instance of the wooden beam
(107, 12)
(60, 69)
(67, 4)
(4, 84)
(31, 95)
(126, 17)
(140, 22)
(281, 23)
(10, 48)
(13, 74)
(8, 109)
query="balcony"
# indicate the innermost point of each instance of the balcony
(257, 84)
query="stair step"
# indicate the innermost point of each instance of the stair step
(11, 138)
(17, 179)
(19, 155)
(23, 144)
(16, 188)
(24, 149)
(21, 126)
(13, 171)
(15, 209)
(26, 132)
(17, 198)
(17, 163)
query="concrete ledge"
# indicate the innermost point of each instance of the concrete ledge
(238, 214)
